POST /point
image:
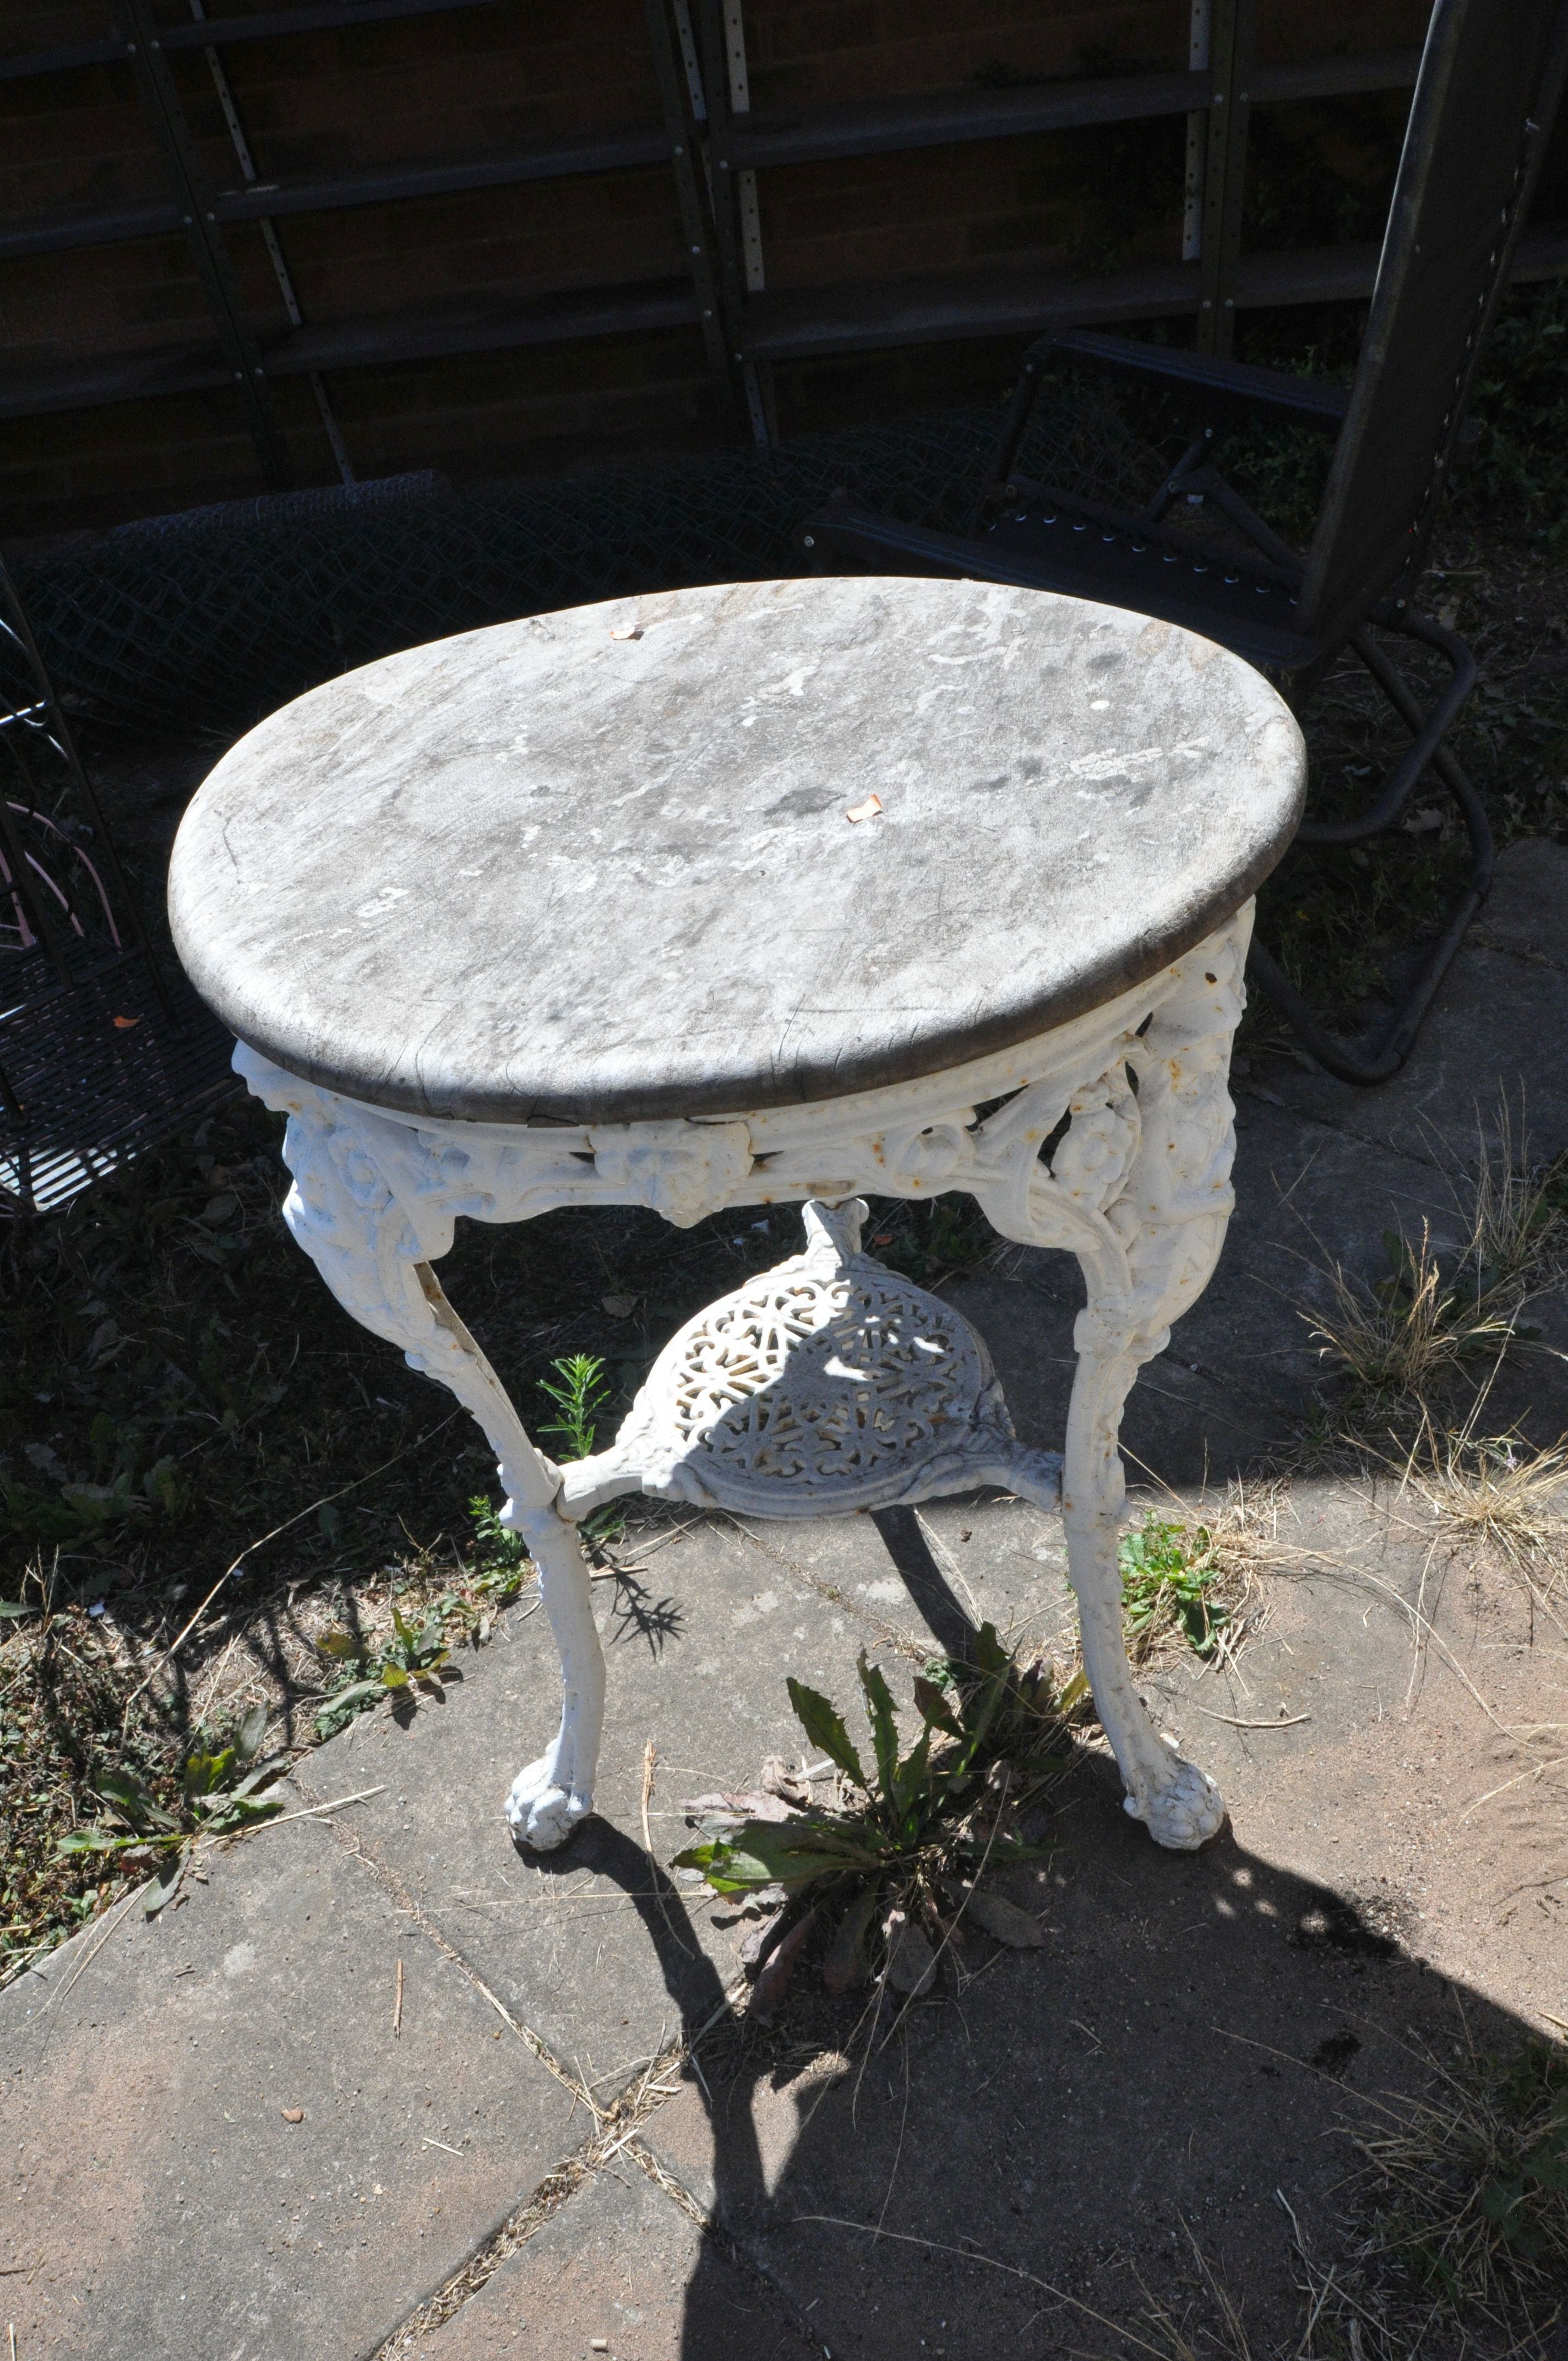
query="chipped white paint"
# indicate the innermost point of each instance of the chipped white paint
(830, 1382)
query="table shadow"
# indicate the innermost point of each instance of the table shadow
(1201, 2037)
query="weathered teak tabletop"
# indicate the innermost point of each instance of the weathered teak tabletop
(574, 910)
(546, 870)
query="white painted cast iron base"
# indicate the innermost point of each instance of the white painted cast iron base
(829, 1384)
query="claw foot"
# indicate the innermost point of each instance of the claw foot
(1184, 1811)
(540, 1813)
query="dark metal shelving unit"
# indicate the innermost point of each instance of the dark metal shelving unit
(251, 361)
(938, 118)
(706, 135)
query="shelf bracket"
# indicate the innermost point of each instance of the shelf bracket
(140, 35)
(1230, 33)
(671, 72)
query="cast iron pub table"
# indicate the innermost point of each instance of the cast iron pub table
(763, 893)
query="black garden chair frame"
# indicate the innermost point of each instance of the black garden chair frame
(1491, 74)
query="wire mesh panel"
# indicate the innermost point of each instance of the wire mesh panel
(100, 1074)
(214, 617)
(100, 1054)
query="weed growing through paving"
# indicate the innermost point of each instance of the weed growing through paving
(1186, 1582)
(898, 1864)
(577, 1387)
(581, 1393)
(411, 1663)
(1170, 1580)
(504, 1551)
(414, 1658)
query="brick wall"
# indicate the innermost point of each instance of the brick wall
(474, 81)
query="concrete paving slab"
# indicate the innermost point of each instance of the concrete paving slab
(1068, 2111)
(160, 2202)
(1409, 1788)
(603, 1962)
(910, 1583)
(1495, 1030)
(624, 2272)
(1524, 911)
(1195, 2032)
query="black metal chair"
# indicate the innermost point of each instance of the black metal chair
(1490, 77)
(102, 1055)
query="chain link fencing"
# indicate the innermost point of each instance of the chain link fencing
(208, 620)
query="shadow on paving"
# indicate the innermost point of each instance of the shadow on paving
(1190, 2047)
(1200, 2038)
(1009, 2167)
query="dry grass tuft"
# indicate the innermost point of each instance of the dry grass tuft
(1394, 1341)
(1395, 1338)
(1245, 1531)
(1498, 1495)
(1519, 1221)
(1208, 2327)
(1470, 2185)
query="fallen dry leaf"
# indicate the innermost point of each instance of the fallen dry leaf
(779, 1779)
(778, 1973)
(126, 1024)
(868, 810)
(762, 1939)
(627, 631)
(1004, 1920)
(910, 1962)
(292, 2114)
(744, 1806)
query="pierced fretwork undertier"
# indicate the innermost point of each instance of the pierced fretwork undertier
(831, 1383)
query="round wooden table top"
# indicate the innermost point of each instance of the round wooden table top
(628, 861)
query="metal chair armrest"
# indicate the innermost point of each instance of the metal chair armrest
(1315, 401)
(1227, 390)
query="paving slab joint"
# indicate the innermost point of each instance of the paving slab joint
(741, 2258)
(556, 2190)
(396, 1891)
(612, 2135)
(1320, 1122)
